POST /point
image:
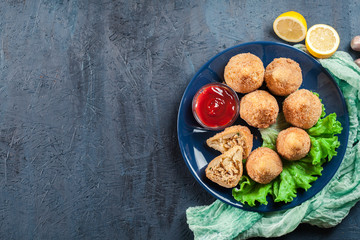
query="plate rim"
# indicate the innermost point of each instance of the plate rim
(192, 170)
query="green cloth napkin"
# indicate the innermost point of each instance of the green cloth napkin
(326, 209)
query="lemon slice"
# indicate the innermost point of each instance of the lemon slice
(290, 26)
(322, 41)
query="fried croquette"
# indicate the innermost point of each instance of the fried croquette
(259, 109)
(283, 76)
(232, 136)
(226, 169)
(244, 73)
(293, 143)
(263, 165)
(302, 109)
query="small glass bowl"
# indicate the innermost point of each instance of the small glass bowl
(231, 92)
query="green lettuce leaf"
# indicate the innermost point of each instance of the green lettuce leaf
(269, 136)
(250, 191)
(327, 126)
(295, 174)
(322, 147)
(298, 174)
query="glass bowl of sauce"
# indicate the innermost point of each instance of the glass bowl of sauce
(215, 106)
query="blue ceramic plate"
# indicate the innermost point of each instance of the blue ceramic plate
(192, 136)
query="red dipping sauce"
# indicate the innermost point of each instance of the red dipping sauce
(215, 106)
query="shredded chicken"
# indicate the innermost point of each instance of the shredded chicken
(230, 137)
(226, 169)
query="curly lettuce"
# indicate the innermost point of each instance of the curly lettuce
(322, 147)
(325, 127)
(249, 191)
(296, 174)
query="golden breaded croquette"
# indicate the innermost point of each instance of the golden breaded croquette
(244, 73)
(226, 169)
(263, 165)
(302, 109)
(232, 136)
(283, 76)
(259, 109)
(293, 143)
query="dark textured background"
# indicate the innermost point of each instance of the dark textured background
(89, 92)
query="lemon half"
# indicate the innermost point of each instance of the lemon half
(290, 26)
(322, 41)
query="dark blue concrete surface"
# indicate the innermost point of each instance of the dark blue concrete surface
(89, 92)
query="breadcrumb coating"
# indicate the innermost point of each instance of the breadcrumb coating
(263, 165)
(244, 73)
(293, 143)
(283, 76)
(302, 109)
(259, 109)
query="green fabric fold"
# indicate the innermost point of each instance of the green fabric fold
(326, 209)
